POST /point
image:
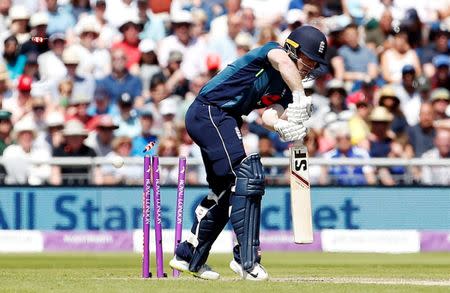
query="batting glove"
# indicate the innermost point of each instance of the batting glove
(299, 112)
(289, 131)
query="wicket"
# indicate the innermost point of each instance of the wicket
(151, 178)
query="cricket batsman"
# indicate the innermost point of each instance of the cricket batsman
(266, 77)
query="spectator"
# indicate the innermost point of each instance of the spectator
(108, 33)
(5, 91)
(440, 100)
(378, 32)
(391, 102)
(311, 142)
(17, 157)
(94, 62)
(128, 174)
(14, 61)
(441, 77)
(101, 139)
(394, 59)
(120, 80)
(82, 85)
(5, 130)
(4, 10)
(146, 135)
(176, 83)
(346, 175)
(153, 26)
(65, 89)
(168, 108)
(130, 41)
(51, 66)
(438, 46)
(55, 125)
(79, 8)
(20, 104)
(60, 20)
(77, 110)
(127, 121)
(267, 34)
(118, 11)
(381, 144)
(32, 68)
(422, 134)
(168, 147)
(266, 150)
(180, 40)
(294, 19)
(406, 91)
(411, 107)
(74, 136)
(149, 65)
(244, 44)
(438, 175)
(224, 45)
(358, 61)
(102, 104)
(359, 124)
(19, 17)
(38, 24)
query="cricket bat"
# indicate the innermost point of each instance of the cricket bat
(300, 193)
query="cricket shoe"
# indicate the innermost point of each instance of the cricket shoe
(205, 271)
(258, 273)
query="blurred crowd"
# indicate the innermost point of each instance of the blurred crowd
(89, 78)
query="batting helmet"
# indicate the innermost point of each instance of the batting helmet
(308, 40)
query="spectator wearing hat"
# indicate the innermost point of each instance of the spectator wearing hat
(438, 175)
(74, 136)
(358, 62)
(38, 116)
(389, 100)
(120, 80)
(38, 24)
(130, 29)
(153, 25)
(146, 135)
(19, 17)
(15, 62)
(60, 20)
(78, 106)
(168, 110)
(394, 59)
(82, 85)
(5, 129)
(180, 40)
(55, 125)
(100, 140)
(440, 100)
(5, 91)
(94, 62)
(148, 64)
(441, 77)
(294, 19)
(128, 174)
(421, 135)
(4, 11)
(51, 66)
(359, 124)
(346, 175)
(17, 157)
(102, 104)
(20, 103)
(176, 83)
(381, 142)
(127, 120)
(438, 46)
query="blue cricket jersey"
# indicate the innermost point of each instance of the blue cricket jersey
(248, 83)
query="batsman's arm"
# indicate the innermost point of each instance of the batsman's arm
(280, 60)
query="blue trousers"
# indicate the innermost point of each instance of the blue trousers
(217, 134)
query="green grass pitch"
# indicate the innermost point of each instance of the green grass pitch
(290, 272)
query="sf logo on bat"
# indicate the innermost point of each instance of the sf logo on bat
(300, 163)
